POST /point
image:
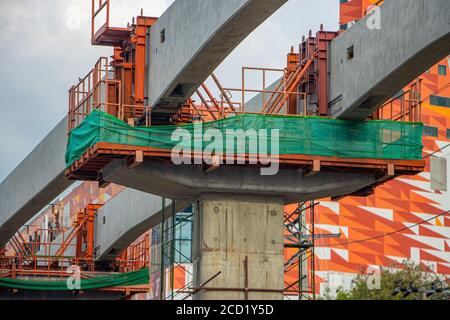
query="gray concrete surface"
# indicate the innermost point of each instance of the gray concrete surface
(188, 182)
(199, 35)
(34, 183)
(414, 36)
(229, 230)
(125, 218)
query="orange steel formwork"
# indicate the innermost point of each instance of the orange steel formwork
(116, 86)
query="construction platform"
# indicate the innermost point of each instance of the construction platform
(97, 157)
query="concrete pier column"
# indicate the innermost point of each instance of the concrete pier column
(242, 238)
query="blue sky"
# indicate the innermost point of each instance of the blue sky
(46, 47)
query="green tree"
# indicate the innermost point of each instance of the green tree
(405, 276)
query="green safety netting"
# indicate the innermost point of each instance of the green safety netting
(140, 277)
(297, 135)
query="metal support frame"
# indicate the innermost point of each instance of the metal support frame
(315, 81)
(116, 87)
(299, 246)
(136, 256)
(85, 237)
(46, 253)
(406, 107)
(105, 35)
(164, 251)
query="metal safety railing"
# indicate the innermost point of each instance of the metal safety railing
(39, 255)
(274, 101)
(101, 31)
(100, 90)
(404, 107)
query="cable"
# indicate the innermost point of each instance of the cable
(432, 154)
(390, 233)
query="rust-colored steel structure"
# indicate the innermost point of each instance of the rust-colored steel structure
(50, 252)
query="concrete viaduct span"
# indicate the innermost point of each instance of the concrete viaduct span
(369, 66)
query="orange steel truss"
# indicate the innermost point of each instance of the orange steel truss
(117, 87)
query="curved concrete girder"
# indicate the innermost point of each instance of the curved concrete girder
(125, 218)
(34, 183)
(198, 36)
(189, 182)
(414, 36)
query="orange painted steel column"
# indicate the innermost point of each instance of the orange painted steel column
(90, 227)
(139, 39)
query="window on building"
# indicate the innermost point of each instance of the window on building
(430, 131)
(440, 101)
(442, 70)
(448, 133)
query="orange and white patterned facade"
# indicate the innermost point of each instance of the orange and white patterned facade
(397, 205)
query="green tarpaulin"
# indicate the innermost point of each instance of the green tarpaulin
(140, 277)
(297, 135)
